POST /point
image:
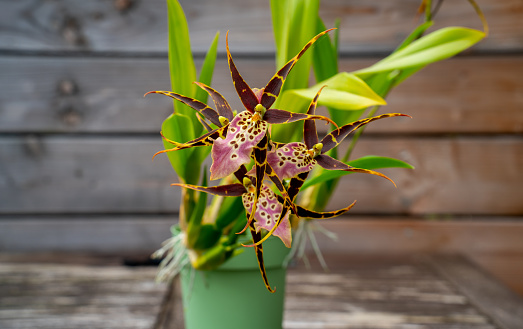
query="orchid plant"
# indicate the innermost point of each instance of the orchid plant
(262, 168)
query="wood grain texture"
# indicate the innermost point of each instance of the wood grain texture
(494, 242)
(65, 174)
(142, 26)
(54, 94)
(370, 292)
(503, 306)
(65, 296)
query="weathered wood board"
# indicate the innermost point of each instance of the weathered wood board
(390, 293)
(61, 174)
(37, 296)
(104, 95)
(141, 26)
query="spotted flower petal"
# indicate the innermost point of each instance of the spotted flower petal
(230, 153)
(267, 214)
(290, 160)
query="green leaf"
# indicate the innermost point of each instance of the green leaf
(294, 24)
(181, 63)
(229, 211)
(436, 46)
(414, 35)
(325, 58)
(207, 237)
(367, 162)
(207, 69)
(344, 91)
(194, 226)
(179, 159)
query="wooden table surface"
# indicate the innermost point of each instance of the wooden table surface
(382, 292)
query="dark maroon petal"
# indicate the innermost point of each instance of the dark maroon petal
(256, 236)
(195, 104)
(204, 124)
(221, 190)
(335, 137)
(310, 134)
(306, 213)
(274, 116)
(205, 140)
(246, 94)
(223, 108)
(295, 184)
(273, 88)
(330, 163)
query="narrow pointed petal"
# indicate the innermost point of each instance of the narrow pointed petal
(310, 134)
(204, 124)
(260, 164)
(221, 190)
(279, 185)
(230, 153)
(330, 163)
(275, 145)
(290, 160)
(256, 236)
(221, 104)
(295, 184)
(246, 94)
(273, 88)
(195, 104)
(205, 140)
(274, 116)
(306, 213)
(335, 137)
(268, 216)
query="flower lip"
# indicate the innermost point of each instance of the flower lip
(259, 112)
(247, 183)
(317, 149)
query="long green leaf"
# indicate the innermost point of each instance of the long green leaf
(325, 58)
(195, 224)
(207, 69)
(206, 74)
(179, 159)
(367, 162)
(436, 46)
(181, 63)
(344, 91)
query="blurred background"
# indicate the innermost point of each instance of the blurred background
(77, 136)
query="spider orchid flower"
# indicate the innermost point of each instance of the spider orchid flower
(244, 136)
(295, 160)
(247, 133)
(270, 207)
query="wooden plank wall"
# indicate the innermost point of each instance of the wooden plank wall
(76, 135)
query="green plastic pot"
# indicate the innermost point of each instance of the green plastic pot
(234, 295)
